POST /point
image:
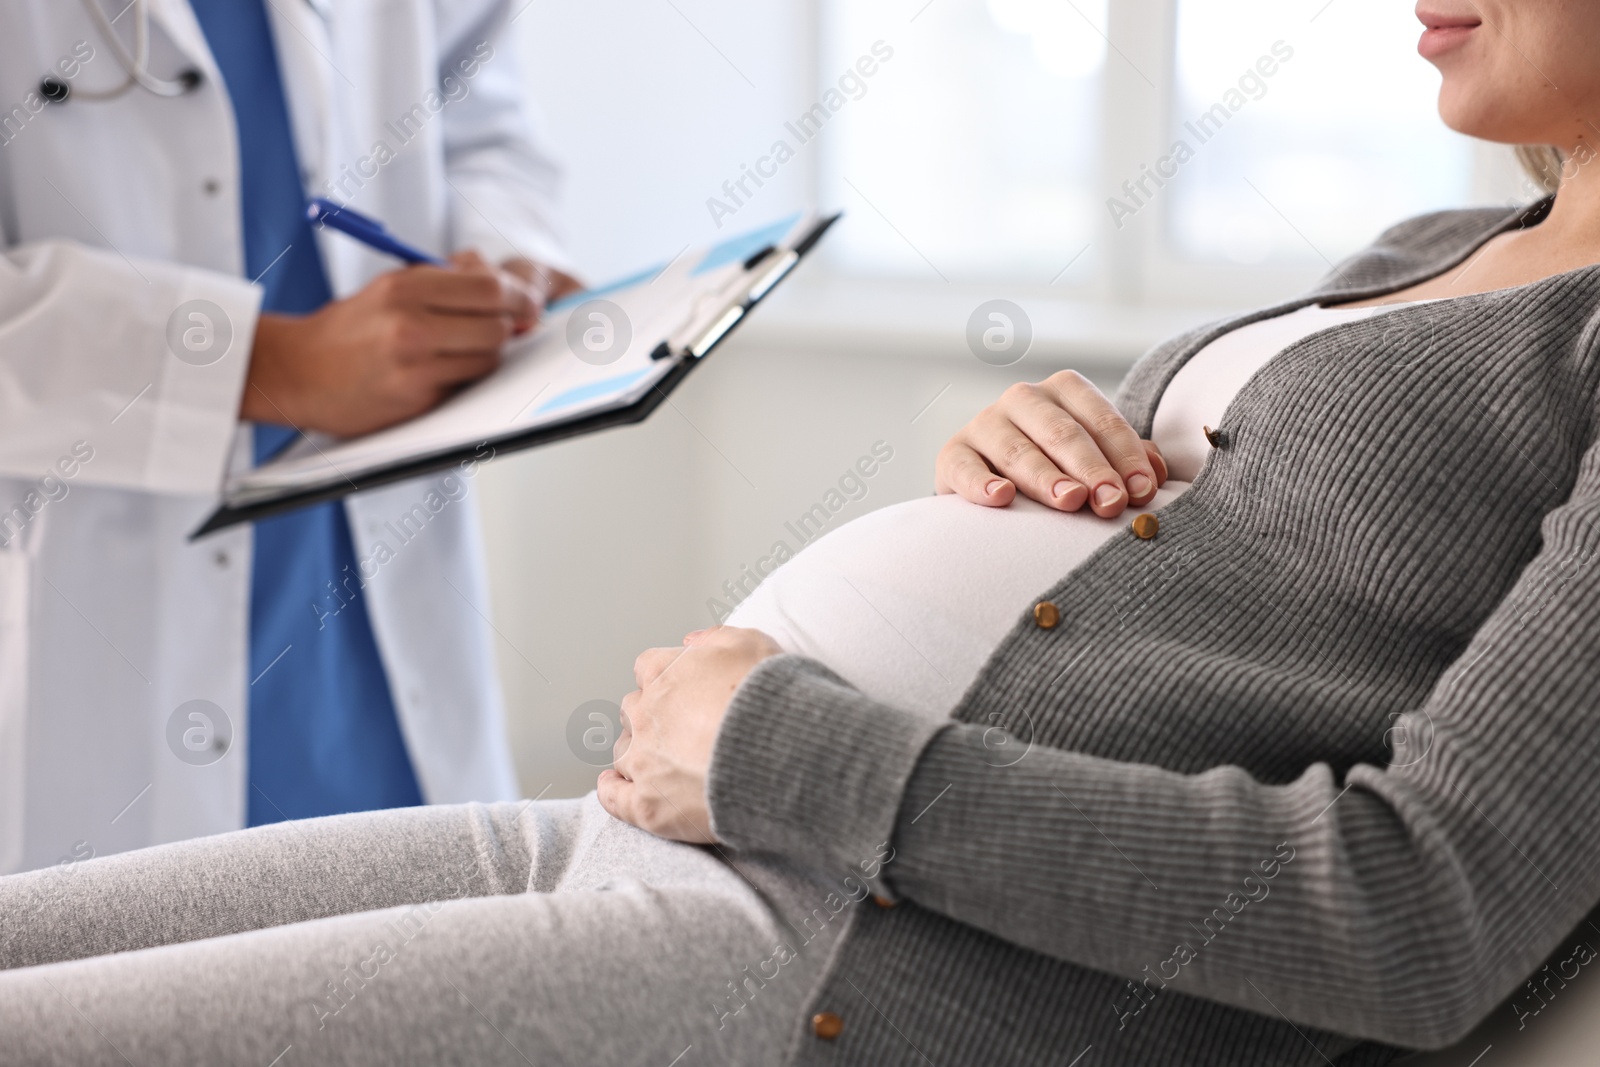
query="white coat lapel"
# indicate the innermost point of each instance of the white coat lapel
(312, 78)
(176, 19)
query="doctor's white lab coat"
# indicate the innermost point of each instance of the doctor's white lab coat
(113, 449)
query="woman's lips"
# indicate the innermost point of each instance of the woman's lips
(1440, 38)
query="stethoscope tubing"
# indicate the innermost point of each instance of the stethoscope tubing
(136, 63)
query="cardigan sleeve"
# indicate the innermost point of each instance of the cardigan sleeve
(1399, 903)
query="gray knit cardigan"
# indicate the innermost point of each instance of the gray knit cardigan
(1310, 776)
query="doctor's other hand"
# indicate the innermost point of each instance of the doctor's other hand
(542, 284)
(1061, 442)
(390, 352)
(669, 726)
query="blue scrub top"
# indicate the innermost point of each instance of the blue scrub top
(324, 738)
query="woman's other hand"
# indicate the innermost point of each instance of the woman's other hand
(662, 761)
(1059, 441)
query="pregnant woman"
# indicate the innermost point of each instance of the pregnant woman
(1288, 760)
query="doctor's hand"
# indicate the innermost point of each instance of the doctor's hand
(669, 725)
(1061, 442)
(389, 352)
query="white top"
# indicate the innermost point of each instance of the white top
(907, 602)
(1204, 386)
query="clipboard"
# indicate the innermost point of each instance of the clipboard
(674, 315)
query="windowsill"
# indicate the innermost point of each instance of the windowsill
(871, 317)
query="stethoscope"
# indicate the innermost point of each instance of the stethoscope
(135, 63)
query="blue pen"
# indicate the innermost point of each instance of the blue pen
(368, 231)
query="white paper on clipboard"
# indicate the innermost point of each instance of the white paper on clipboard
(671, 312)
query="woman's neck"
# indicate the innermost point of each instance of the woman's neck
(1574, 218)
(1567, 237)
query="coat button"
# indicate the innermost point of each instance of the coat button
(884, 902)
(827, 1025)
(1215, 438)
(1046, 615)
(1145, 526)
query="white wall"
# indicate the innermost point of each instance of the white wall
(655, 104)
(598, 547)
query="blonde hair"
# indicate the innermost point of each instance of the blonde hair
(1543, 165)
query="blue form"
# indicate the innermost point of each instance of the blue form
(579, 393)
(640, 278)
(324, 738)
(741, 247)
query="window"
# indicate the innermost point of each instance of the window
(1335, 133)
(996, 143)
(971, 153)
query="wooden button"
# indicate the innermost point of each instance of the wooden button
(827, 1025)
(1215, 438)
(1145, 526)
(1046, 615)
(884, 902)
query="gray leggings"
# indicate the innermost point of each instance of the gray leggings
(529, 933)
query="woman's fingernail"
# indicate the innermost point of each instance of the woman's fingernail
(994, 487)
(1063, 487)
(1138, 485)
(1107, 495)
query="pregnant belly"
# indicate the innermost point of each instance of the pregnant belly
(906, 603)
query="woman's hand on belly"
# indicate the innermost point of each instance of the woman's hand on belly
(1061, 442)
(657, 781)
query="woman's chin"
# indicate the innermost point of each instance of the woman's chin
(1463, 111)
(1473, 107)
